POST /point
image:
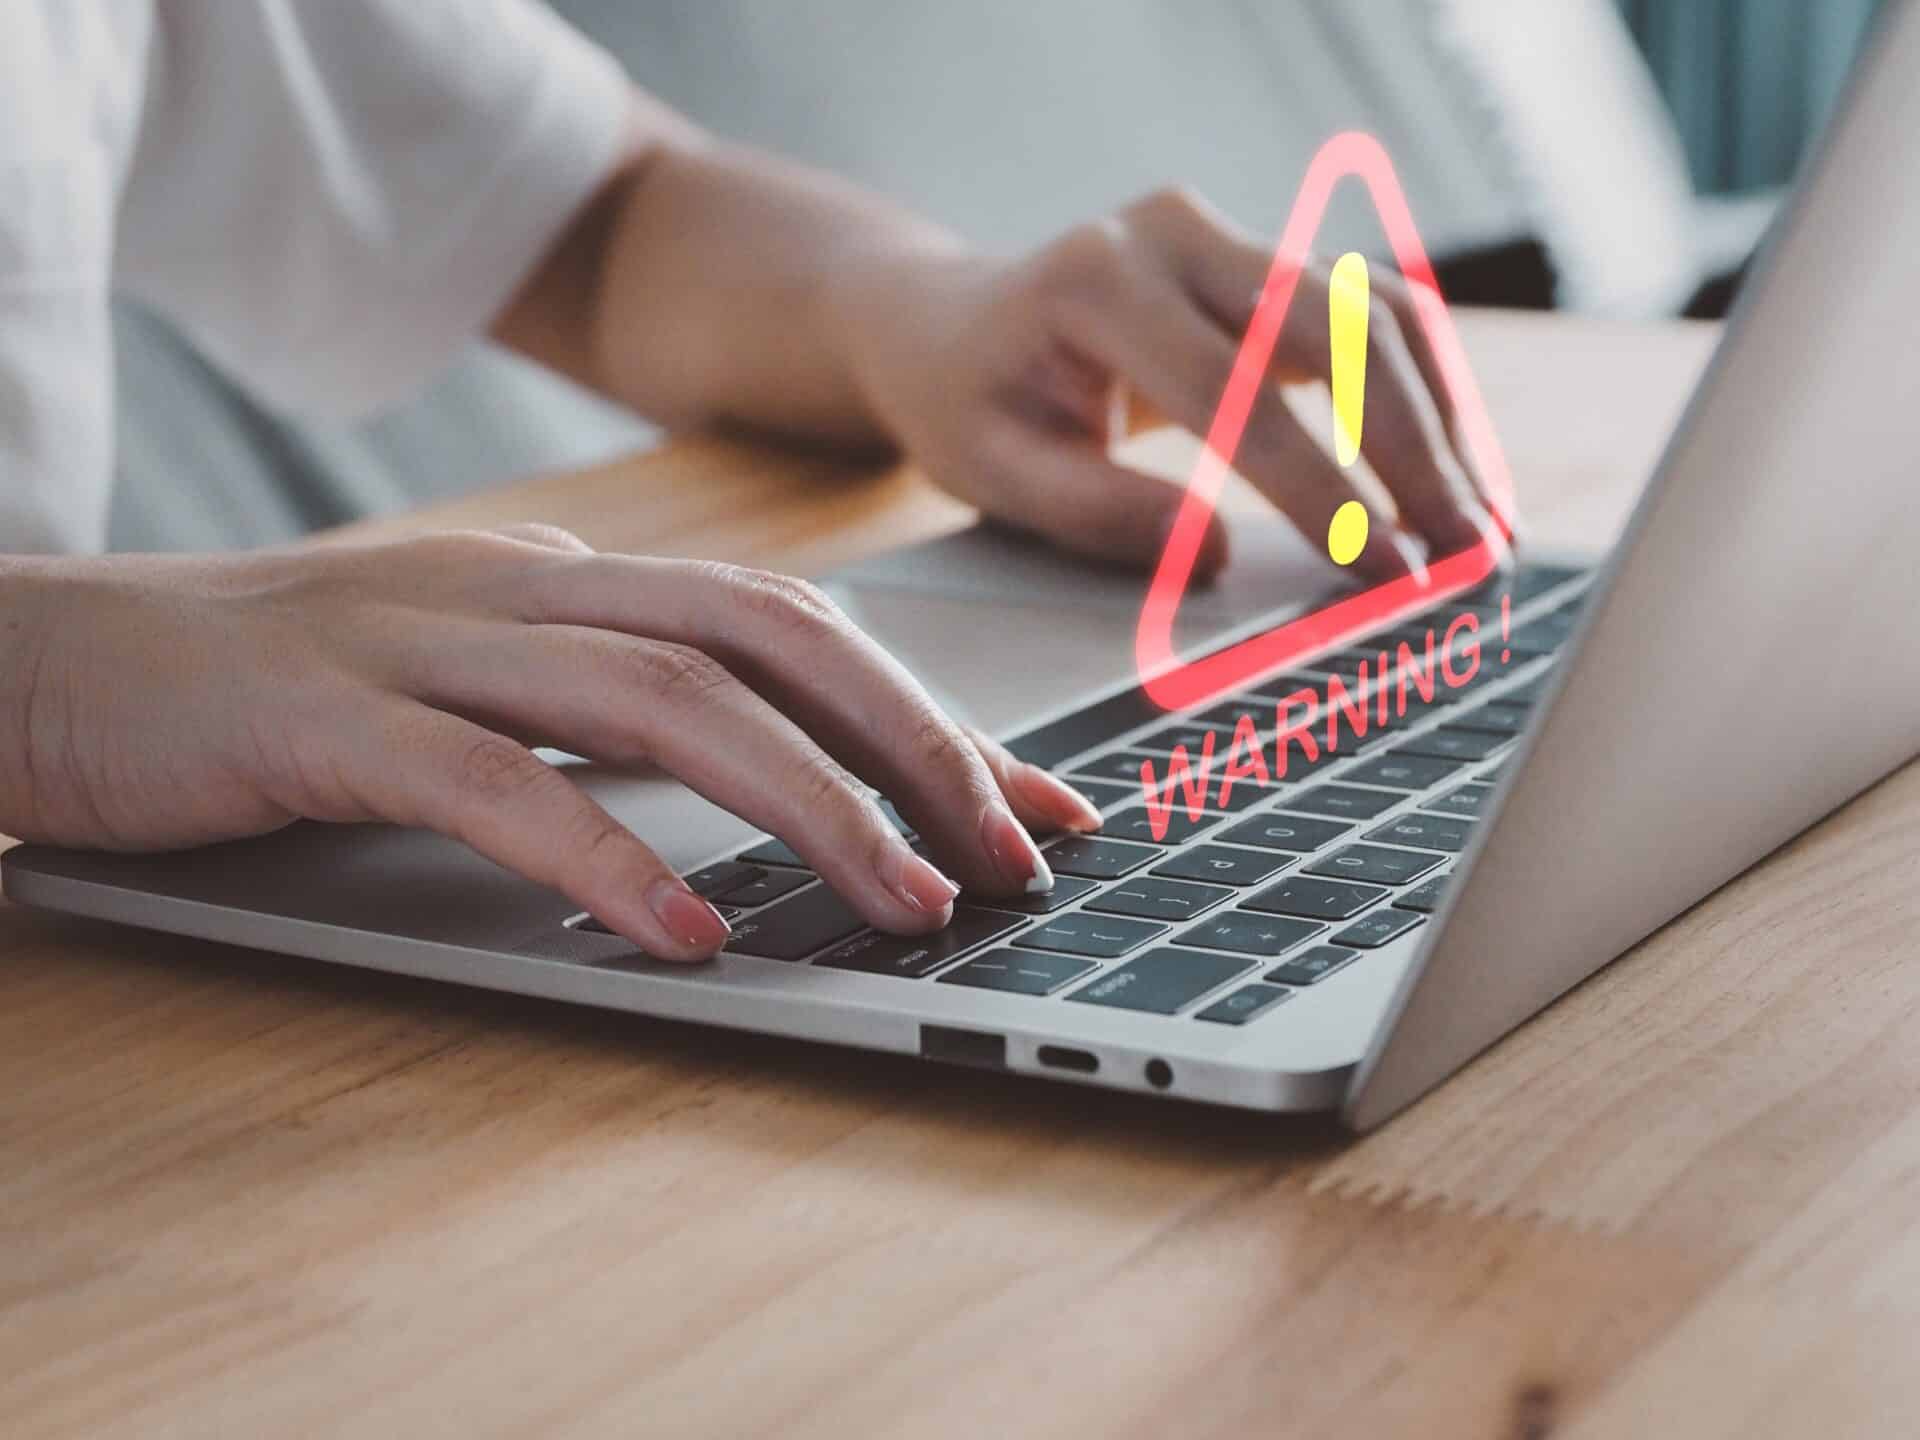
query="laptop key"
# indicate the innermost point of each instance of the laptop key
(1160, 982)
(1545, 635)
(1096, 859)
(1282, 832)
(1193, 735)
(1265, 935)
(1467, 802)
(1405, 772)
(1152, 899)
(1342, 801)
(721, 876)
(1373, 863)
(1218, 865)
(1315, 899)
(1105, 797)
(1447, 743)
(1121, 766)
(1138, 825)
(1244, 1004)
(1426, 832)
(770, 886)
(1374, 930)
(1065, 891)
(1018, 972)
(794, 928)
(772, 852)
(913, 956)
(1102, 936)
(1493, 718)
(1425, 897)
(1310, 967)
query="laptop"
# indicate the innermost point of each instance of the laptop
(1344, 937)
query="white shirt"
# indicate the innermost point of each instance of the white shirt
(330, 197)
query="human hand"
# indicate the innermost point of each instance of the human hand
(157, 702)
(1000, 379)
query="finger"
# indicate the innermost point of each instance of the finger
(1308, 487)
(1411, 447)
(1041, 801)
(1074, 495)
(627, 701)
(1153, 334)
(1403, 437)
(792, 644)
(428, 768)
(548, 537)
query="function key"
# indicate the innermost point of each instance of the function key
(1296, 833)
(1161, 981)
(1426, 832)
(1220, 865)
(912, 956)
(1095, 859)
(1248, 934)
(1018, 972)
(1102, 936)
(1374, 863)
(1310, 967)
(1243, 1004)
(1372, 931)
(1315, 899)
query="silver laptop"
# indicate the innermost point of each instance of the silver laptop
(1743, 662)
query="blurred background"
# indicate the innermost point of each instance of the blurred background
(1620, 157)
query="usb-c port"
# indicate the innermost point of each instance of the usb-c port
(1060, 1057)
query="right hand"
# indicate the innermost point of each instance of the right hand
(157, 702)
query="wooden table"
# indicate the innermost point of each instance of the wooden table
(244, 1195)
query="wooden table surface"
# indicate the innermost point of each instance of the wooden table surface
(246, 1195)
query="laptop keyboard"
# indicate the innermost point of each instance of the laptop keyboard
(1232, 912)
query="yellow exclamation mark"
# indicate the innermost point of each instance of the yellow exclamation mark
(1348, 299)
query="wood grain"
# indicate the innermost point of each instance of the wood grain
(246, 1195)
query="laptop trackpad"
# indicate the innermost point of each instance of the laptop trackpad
(1004, 629)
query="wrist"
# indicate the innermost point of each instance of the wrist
(881, 309)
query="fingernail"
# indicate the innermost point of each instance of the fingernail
(918, 884)
(1065, 806)
(686, 917)
(1014, 853)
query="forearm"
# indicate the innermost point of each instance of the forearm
(713, 284)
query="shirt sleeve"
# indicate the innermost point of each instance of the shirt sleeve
(331, 197)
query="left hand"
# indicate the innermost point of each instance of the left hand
(1001, 379)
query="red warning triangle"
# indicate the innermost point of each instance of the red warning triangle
(1178, 684)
